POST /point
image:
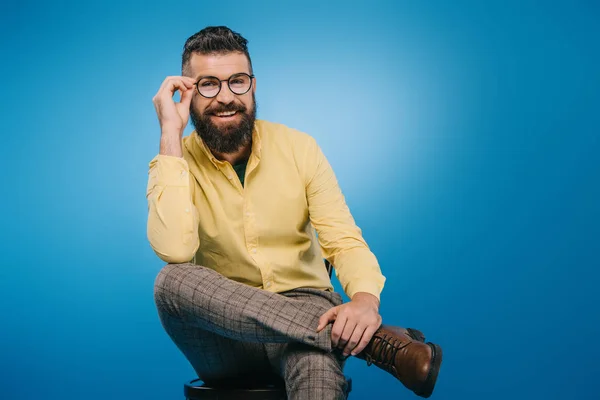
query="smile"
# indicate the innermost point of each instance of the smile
(225, 114)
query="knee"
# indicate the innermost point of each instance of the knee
(167, 280)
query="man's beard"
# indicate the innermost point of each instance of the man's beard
(231, 137)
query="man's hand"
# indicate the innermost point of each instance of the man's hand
(355, 323)
(173, 117)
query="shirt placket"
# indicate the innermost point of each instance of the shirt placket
(251, 234)
(229, 173)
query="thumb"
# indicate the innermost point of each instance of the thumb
(329, 316)
(183, 107)
(186, 98)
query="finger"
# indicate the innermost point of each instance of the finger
(365, 339)
(172, 84)
(183, 107)
(329, 316)
(166, 84)
(175, 85)
(168, 88)
(354, 339)
(346, 334)
(165, 95)
(337, 329)
(190, 80)
(185, 80)
(186, 98)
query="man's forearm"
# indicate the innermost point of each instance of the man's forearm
(170, 145)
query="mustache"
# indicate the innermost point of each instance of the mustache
(225, 108)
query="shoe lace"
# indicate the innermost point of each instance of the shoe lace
(385, 350)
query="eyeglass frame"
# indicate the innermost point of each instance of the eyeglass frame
(221, 85)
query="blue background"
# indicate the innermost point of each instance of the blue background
(464, 135)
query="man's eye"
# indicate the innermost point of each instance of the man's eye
(208, 84)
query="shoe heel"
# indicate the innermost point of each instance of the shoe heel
(416, 335)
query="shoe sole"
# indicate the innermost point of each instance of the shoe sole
(434, 370)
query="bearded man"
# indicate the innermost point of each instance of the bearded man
(235, 209)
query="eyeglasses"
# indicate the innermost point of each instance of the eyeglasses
(210, 86)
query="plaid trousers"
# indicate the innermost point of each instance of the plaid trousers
(229, 330)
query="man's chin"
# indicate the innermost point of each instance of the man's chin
(225, 129)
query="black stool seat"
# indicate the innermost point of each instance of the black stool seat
(198, 390)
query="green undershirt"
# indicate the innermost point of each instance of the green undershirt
(240, 170)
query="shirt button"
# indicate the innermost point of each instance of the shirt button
(187, 210)
(254, 251)
(268, 284)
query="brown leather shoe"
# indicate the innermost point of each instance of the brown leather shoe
(402, 353)
(414, 334)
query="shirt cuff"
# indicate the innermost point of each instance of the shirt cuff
(169, 171)
(366, 286)
(359, 272)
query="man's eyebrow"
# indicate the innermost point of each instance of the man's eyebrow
(204, 76)
(212, 76)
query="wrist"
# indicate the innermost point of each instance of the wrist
(170, 145)
(367, 298)
(171, 133)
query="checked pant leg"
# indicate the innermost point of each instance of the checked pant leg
(309, 372)
(312, 373)
(216, 358)
(202, 298)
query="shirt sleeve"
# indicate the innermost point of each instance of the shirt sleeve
(172, 217)
(340, 238)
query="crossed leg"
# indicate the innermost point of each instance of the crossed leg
(230, 330)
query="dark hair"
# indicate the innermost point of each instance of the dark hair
(214, 40)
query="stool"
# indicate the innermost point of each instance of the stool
(198, 390)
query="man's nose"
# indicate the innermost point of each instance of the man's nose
(225, 95)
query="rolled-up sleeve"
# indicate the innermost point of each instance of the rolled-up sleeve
(172, 217)
(340, 238)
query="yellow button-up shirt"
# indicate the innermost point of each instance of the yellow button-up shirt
(263, 233)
